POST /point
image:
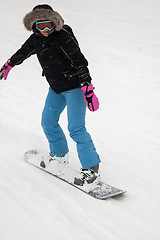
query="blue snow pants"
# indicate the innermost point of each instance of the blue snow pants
(76, 110)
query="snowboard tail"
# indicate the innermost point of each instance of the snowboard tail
(98, 189)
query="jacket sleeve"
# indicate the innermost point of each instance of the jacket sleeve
(71, 49)
(26, 50)
(69, 45)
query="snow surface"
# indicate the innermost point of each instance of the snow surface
(121, 40)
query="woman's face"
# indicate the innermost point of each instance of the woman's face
(45, 27)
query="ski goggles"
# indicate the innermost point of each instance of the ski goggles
(43, 25)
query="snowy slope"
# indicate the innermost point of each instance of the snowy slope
(121, 40)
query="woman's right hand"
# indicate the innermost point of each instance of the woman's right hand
(5, 70)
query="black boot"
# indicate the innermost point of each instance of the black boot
(87, 175)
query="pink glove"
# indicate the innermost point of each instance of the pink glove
(5, 70)
(90, 98)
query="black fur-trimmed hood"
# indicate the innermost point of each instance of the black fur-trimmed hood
(43, 14)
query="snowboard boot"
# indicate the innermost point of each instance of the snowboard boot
(87, 175)
(50, 159)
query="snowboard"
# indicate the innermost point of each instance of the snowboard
(98, 189)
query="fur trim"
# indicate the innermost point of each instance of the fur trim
(43, 14)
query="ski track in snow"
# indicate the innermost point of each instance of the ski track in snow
(121, 40)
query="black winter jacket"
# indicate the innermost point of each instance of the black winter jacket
(63, 64)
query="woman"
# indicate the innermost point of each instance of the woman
(65, 69)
